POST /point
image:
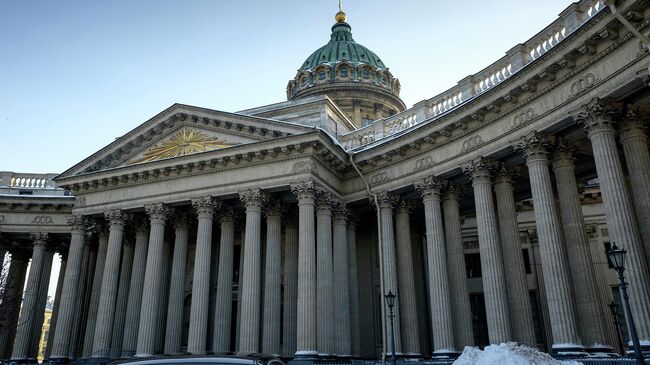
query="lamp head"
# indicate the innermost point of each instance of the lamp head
(390, 299)
(616, 257)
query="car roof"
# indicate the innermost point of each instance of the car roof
(226, 358)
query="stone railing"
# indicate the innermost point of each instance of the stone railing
(572, 18)
(15, 180)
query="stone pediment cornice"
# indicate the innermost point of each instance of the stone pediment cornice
(570, 59)
(316, 144)
(34, 203)
(175, 117)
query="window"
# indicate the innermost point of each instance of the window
(366, 122)
(527, 265)
(343, 72)
(366, 74)
(473, 265)
(321, 75)
(608, 246)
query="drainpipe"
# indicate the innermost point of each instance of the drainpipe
(381, 257)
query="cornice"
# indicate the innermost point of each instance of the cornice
(314, 144)
(422, 142)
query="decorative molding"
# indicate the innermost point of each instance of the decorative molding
(158, 212)
(301, 167)
(522, 119)
(304, 190)
(116, 216)
(43, 219)
(472, 143)
(183, 142)
(205, 205)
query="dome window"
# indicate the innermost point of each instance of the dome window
(366, 74)
(321, 75)
(343, 72)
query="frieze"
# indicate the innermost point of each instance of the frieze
(583, 84)
(522, 119)
(471, 143)
(379, 178)
(42, 219)
(423, 163)
(604, 232)
(304, 166)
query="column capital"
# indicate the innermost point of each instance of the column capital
(39, 238)
(140, 225)
(227, 216)
(405, 206)
(479, 169)
(180, 220)
(274, 209)
(157, 212)
(78, 223)
(452, 192)
(634, 122)
(563, 153)
(304, 190)
(598, 116)
(429, 187)
(506, 174)
(341, 212)
(535, 146)
(205, 206)
(116, 217)
(325, 201)
(385, 200)
(253, 198)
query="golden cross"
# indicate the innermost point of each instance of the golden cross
(340, 5)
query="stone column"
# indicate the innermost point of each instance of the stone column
(69, 293)
(355, 331)
(251, 289)
(122, 299)
(10, 305)
(272, 281)
(290, 305)
(96, 290)
(637, 158)
(559, 292)
(389, 260)
(461, 312)
(406, 280)
(493, 274)
(306, 315)
(198, 332)
(324, 275)
(26, 321)
(174, 327)
(161, 320)
(56, 305)
(443, 334)
(583, 277)
(39, 314)
(598, 119)
(110, 278)
(343, 346)
(223, 306)
(84, 289)
(146, 342)
(513, 261)
(132, 319)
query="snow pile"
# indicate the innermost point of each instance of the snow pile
(507, 354)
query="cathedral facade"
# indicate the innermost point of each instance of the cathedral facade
(486, 209)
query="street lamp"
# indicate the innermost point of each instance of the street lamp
(613, 309)
(617, 259)
(390, 301)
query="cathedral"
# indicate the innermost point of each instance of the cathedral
(487, 210)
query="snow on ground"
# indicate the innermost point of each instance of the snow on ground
(507, 354)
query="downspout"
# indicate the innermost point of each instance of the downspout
(381, 257)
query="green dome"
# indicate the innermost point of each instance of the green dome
(342, 47)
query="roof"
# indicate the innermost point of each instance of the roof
(342, 47)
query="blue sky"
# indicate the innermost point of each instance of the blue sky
(74, 75)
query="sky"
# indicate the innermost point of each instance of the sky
(75, 75)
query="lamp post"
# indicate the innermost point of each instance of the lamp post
(617, 258)
(390, 301)
(613, 309)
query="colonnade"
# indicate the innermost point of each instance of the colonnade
(299, 278)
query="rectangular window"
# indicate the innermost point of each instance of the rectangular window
(527, 265)
(473, 265)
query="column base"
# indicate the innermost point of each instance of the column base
(304, 357)
(21, 362)
(600, 349)
(57, 361)
(568, 350)
(445, 354)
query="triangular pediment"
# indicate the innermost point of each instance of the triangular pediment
(182, 130)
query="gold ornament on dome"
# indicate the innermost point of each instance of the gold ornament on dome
(182, 143)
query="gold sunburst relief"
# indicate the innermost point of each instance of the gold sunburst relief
(182, 143)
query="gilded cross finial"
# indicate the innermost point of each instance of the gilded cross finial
(340, 5)
(340, 16)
